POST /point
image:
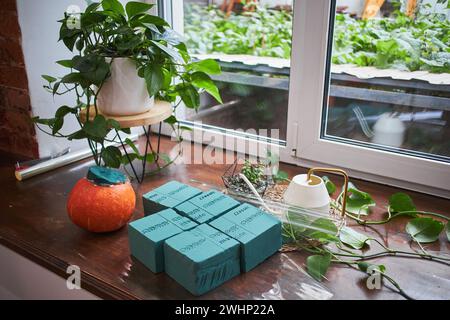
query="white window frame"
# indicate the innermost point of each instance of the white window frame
(222, 138)
(304, 145)
(308, 74)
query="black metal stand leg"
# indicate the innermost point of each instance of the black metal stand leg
(128, 157)
(148, 144)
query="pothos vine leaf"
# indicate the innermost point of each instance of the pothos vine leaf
(424, 230)
(358, 202)
(353, 238)
(323, 230)
(317, 265)
(331, 187)
(400, 202)
(369, 267)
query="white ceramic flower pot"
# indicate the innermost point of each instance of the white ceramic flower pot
(124, 93)
(311, 194)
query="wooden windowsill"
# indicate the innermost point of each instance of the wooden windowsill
(34, 223)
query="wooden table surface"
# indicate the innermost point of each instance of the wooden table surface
(34, 223)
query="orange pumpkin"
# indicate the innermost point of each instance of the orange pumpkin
(101, 207)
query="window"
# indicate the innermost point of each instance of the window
(253, 45)
(371, 115)
(367, 94)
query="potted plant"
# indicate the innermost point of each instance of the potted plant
(123, 59)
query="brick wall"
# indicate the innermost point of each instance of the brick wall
(17, 133)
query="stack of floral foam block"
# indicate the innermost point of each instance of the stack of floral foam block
(201, 239)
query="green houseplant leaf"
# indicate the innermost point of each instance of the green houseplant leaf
(202, 80)
(353, 238)
(114, 6)
(209, 66)
(112, 156)
(400, 202)
(424, 230)
(154, 79)
(331, 187)
(317, 265)
(366, 267)
(358, 202)
(323, 230)
(133, 8)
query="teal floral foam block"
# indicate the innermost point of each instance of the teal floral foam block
(193, 212)
(177, 190)
(258, 232)
(214, 202)
(154, 202)
(178, 220)
(146, 236)
(201, 259)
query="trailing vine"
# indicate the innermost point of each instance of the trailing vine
(328, 243)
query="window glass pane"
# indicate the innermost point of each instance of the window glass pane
(390, 77)
(253, 44)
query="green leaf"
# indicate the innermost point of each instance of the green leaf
(148, 19)
(171, 120)
(318, 265)
(63, 111)
(78, 135)
(167, 78)
(190, 96)
(171, 52)
(209, 66)
(130, 158)
(185, 128)
(165, 157)
(150, 158)
(57, 125)
(50, 79)
(353, 238)
(331, 187)
(113, 124)
(401, 202)
(202, 80)
(92, 7)
(55, 87)
(97, 128)
(323, 230)
(424, 230)
(447, 231)
(65, 63)
(111, 156)
(114, 6)
(154, 78)
(367, 267)
(358, 202)
(281, 176)
(47, 122)
(133, 8)
(91, 19)
(68, 36)
(92, 67)
(297, 223)
(129, 142)
(73, 77)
